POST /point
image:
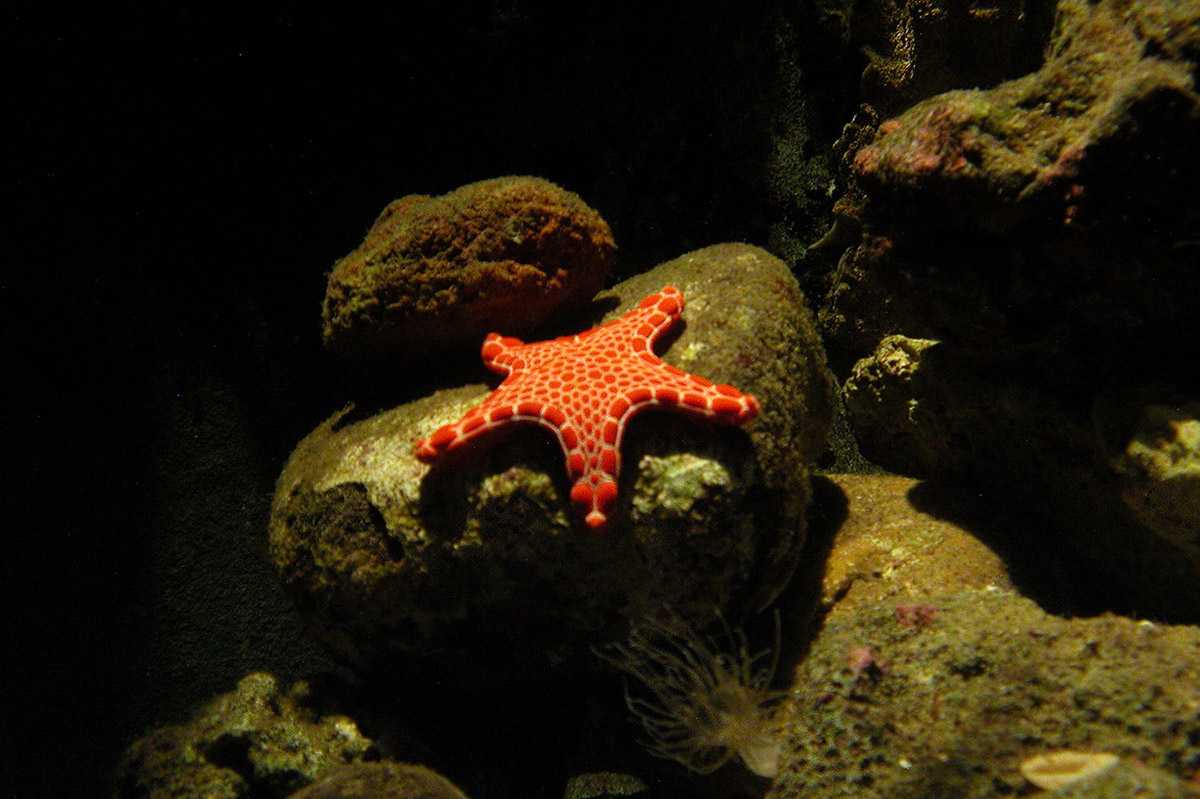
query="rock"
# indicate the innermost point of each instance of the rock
(1026, 269)
(1043, 219)
(917, 50)
(919, 409)
(381, 781)
(255, 741)
(1129, 779)
(434, 275)
(1114, 483)
(954, 705)
(388, 559)
(605, 785)
(1159, 470)
(887, 552)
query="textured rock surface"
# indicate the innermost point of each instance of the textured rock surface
(381, 781)
(1023, 291)
(929, 676)
(434, 275)
(1130, 778)
(917, 49)
(1047, 218)
(603, 785)
(887, 552)
(254, 741)
(386, 557)
(1114, 481)
(951, 703)
(1159, 470)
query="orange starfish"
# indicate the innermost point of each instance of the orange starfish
(584, 388)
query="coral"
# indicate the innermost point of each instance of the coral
(711, 697)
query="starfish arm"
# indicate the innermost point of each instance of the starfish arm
(500, 353)
(690, 393)
(656, 313)
(488, 417)
(595, 499)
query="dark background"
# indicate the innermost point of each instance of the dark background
(184, 177)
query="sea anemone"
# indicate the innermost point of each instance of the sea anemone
(706, 698)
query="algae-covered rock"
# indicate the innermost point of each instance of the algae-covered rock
(381, 781)
(434, 275)
(915, 50)
(1130, 778)
(1047, 220)
(605, 785)
(955, 703)
(886, 551)
(386, 557)
(257, 740)
(1159, 470)
(1116, 482)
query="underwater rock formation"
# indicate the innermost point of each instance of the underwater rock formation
(887, 551)
(605, 785)
(381, 781)
(1050, 216)
(434, 275)
(1121, 473)
(1024, 288)
(918, 49)
(1158, 466)
(930, 676)
(257, 740)
(955, 705)
(388, 558)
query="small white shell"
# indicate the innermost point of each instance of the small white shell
(1054, 770)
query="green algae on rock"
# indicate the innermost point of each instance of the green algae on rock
(387, 558)
(255, 739)
(954, 706)
(434, 275)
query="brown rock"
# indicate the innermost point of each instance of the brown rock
(255, 740)
(434, 275)
(1113, 486)
(954, 705)
(887, 552)
(381, 781)
(1159, 472)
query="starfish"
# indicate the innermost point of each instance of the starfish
(584, 389)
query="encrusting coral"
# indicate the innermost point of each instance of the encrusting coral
(711, 698)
